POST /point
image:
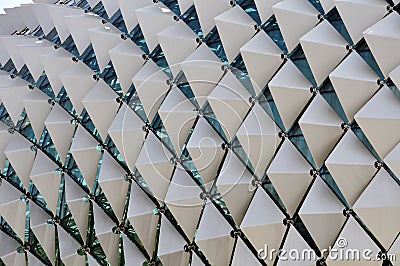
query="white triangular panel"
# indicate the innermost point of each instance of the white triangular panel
(289, 173)
(127, 126)
(196, 261)
(5, 138)
(372, 11)
(204, 147)
(395, 76)
(323, 42)
(352, 77)
(379, 205)
(37, 107)
(262, 58)
(327, 5)
(54, 64)
(78, 204)
(7, 26)
(152, 20)
(9, 43)
(31, 52)
(258, 136)
(92, 3)
(381, 113)
(43, 16)
(177, 41)
(101, 104)
(290, 91)
(353, 237)
(229, 96)
(111, 7)
(12, 209)
(151, 87)
(12, 92)
(84, 150)
(128, 8)
(8, 245)
(108, 240)
(206, 14)
(294, 241)
(176, 112)
(393, 160)
(78, 25)
(4, 56)
(18, 148)
(27, 15)
(46, 179)
(295, 18)
(243, 256)
(264, 228)
(235, 28)
(112, 182)
(213, 236)
(385, 31)
(264, 8)
(184, 5)
(34, 261)
(132, 255)
(153, 163)
(352, 166)
(104, 38)
(45, 232)
(183, 200)
(322, 214)
(57, 14)
(202, 70)
(233, 180)
(141, 216)
(14, 258)
(68, 249)
(170, 245)
(61, 130)
(126, 53)
(77, 81)
(321, 127)
(13, 14)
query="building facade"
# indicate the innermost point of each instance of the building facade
(200, 132)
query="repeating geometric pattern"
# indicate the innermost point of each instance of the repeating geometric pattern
(195, 132)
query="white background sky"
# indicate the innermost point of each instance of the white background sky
(11, 3)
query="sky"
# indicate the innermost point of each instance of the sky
(11, 3)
